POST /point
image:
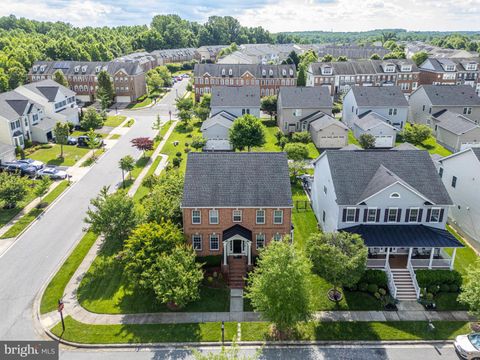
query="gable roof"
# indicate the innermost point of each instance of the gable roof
(305, 97)
(474, 150)
(371, 119)
(405, 146)
(323, 121)
(248, 96)
(48, 89)
(451, 95)
(223, 118)
(12, 105)
(237, 179)
(353, 171)
(379, 96)
(455, 123)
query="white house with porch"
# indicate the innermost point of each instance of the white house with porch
(396, 201)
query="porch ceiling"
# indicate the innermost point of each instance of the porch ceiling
(404, 236)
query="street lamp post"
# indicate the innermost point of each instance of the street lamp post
(60, 310)
(223, 332)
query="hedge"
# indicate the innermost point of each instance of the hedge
(377, 277)
(210, 261)
(437, 278)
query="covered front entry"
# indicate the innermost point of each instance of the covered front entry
(237, 242)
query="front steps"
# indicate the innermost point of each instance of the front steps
(404, 283)
(236, 273)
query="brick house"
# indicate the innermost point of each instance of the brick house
(234, 204)
(268, 77)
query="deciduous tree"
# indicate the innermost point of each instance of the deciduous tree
(416, 133)
(91, 119)
(247, 131)
(61, 131)
(143, 144)
(296, 151)
(13, 189)
(367, 141)
(60, 78)
(470, 294)
(126, 164)
(269, 105)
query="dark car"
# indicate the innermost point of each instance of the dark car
(82, 141)
(20, 168)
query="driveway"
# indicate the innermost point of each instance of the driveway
(27, 265)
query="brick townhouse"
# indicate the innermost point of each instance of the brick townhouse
(234, 204)
(128, 77)
(268, 77)
(340, 76)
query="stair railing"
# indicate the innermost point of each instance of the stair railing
(391, 283)
(414, 279)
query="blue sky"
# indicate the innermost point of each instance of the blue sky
(279, 15)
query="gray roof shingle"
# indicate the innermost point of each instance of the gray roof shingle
(48, 89)
(476, 151)
(305, 97)
(369, 120)
(12, 105)
(322, 121)
(248, 96)
(455, 123)
(379, 96)
(451, 95)
(237, 179)
(240, 69)
(353, 171)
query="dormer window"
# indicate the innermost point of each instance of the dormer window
(406, 68)
(291, 72)
(230, 72)
(450, 68)
(284, 72)
(264, 72)
(35, 68)
(270, 72)
(223, 72)
(84, 68)
(471, 66)
(76, 69)
(327, 70)
(389, 68)
(42, 68)
(97, 69)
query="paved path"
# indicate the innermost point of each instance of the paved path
(30, 261)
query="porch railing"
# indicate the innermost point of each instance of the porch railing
(436, 263)
(376, 263)
(414, 279)
(391, 283)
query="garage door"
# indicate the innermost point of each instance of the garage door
(123, 99)
(332, 141)
(384, 141)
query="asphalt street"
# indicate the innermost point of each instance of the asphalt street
(27, 265)
(396, 352)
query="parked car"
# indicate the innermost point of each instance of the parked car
(72, 140)
(468, 346)
(17, 167)
(185, 76)
(82, 141)
(30, 162)
(53, 173)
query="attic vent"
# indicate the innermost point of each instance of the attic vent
(395, 195)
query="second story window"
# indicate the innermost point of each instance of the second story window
(454, 181)
(440, 172)
(467, 111)
(213, 216)
(392, 215)
(351, 215)
(413, 215)
(237, 215)
(372, 215)
(392, 112)
(196, 217)
(260, 217)
(277, 237)
(278, 217)
(435, 215)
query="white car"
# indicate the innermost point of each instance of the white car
(468, 346)
(53, 173)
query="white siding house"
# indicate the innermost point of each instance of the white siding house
(376, 125)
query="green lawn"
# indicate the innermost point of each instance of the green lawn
(138, 105)
(464, 257)
(431, 145)
(147, 333)
(257, 331)
(303, 218)
(115, 136)
(27, 219)
(114, 121)
(448, 302)
(352, 139)
(56, 287)
(50, 154)
(8, 214)
(129, 123)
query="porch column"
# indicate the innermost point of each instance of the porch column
(249, 254)
(387, 257)
(431, 258)
(224, 253)
(409, 256)
(452, 260)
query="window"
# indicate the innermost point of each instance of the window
(237, 215)
(392, 215)
(394, 195)
(196, 217)
(297, 112)
(392, 112)
(413, 216)
(214, 243)
(440, 172)
(325, 189)
(260, 241)
(454, 181)
(277, 237)
(467, 111)
(435, 215)
(324, 215)
(260, 218)
(351, 214)
(213, 216)
(278, 216)
(197, 242)
(372, 215)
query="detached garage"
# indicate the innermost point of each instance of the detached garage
(375, 124)
(455, 132)
(328, 133)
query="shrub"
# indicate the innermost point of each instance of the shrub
(176, 161)
(178, 154)
(427, 278)
(377, 295)
(187, 150)
(377, 277)
(301, 137)
(444, 288)
(454, 288)
(362, 286)
(382, 292)
(429, 296)
(433, 289)
(209, 261)
(372, 288)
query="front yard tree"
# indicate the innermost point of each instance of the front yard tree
(91, 119)
(61, 131)
(126, 164)
(198, 142)
(184, 104)
(176, 277)
(112, 215)
(154, 81)
(296, 168)
(13, 189)
(296, 151)
(366, 141)
(269, 105)
(282, 275)
(145, 243)
(302, 75)
(247, 131)
(105, 91)
(340, 258)
(60, 78)
(143, 144)
(41, 187)
(93, 142)
(416, 133)
(470, 294)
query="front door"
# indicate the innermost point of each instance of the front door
(237, 247)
